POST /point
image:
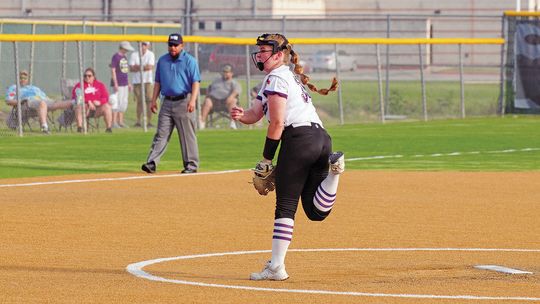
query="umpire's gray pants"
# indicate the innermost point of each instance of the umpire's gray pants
(171, 114)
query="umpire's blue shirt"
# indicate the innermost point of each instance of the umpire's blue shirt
(176, 76)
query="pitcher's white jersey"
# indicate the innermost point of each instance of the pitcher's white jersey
(299, 108)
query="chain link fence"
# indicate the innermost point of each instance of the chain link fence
(379, 81)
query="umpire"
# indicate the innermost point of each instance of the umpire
(178, 80)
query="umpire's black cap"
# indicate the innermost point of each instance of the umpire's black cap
(175, 39)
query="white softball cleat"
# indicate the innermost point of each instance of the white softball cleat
(270, 274)
(337, 162)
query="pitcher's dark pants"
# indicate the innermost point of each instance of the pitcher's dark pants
(301, 167)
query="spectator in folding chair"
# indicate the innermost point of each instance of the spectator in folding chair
(222, 95)
(35, 99)
(96, 100)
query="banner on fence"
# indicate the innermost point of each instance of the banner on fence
(527, 66)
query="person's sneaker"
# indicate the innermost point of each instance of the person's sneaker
(45, 130)
(233, 125)
(79, 129)
(337, 162)
(149, 125)
(137, 125)
(271, 274)
(202, 125)
(116, 126)
(108, 130)
(149, 167)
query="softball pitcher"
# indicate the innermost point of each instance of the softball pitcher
(306, 168)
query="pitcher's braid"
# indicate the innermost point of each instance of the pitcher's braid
(299, 70)
(332, 87)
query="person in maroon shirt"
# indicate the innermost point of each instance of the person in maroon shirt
(96, 100)
(120, 83)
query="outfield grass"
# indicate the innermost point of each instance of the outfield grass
(399, 146)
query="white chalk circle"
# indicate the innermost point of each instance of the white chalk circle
(136, 269)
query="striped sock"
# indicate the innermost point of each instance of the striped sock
(282, 236)
(325, 197)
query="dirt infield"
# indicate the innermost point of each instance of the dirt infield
(72, 242)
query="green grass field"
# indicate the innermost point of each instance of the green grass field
(483, 144)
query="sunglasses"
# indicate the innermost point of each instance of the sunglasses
(88, 75)
(173, 45)
(23, 77)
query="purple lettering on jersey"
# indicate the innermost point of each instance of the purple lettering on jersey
(305, 94)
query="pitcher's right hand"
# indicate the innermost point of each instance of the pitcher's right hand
(237, 113)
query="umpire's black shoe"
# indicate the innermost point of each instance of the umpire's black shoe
(149, 167)
(187, 171)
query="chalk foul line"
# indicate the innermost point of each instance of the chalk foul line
(107, 179)
(444, 154)
(93, 180)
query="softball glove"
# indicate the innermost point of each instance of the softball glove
(264, 178)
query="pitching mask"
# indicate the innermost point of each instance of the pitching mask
(264, 39)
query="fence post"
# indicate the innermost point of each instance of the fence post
(340, 103)
(501, 106)
(461, 85)
(422, 82)
(143, 89)
(248, 76)
(381, 99)
(198, 107)
(1, 32)
(32, 47)
(80, 98)
(387, 67)
(83, 46)
(94, 63)
(18, 88)
(64, 54)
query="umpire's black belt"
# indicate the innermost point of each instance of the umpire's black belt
(176, 98)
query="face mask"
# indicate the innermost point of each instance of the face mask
(260, 64)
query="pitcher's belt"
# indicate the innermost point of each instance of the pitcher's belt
(302, 124)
